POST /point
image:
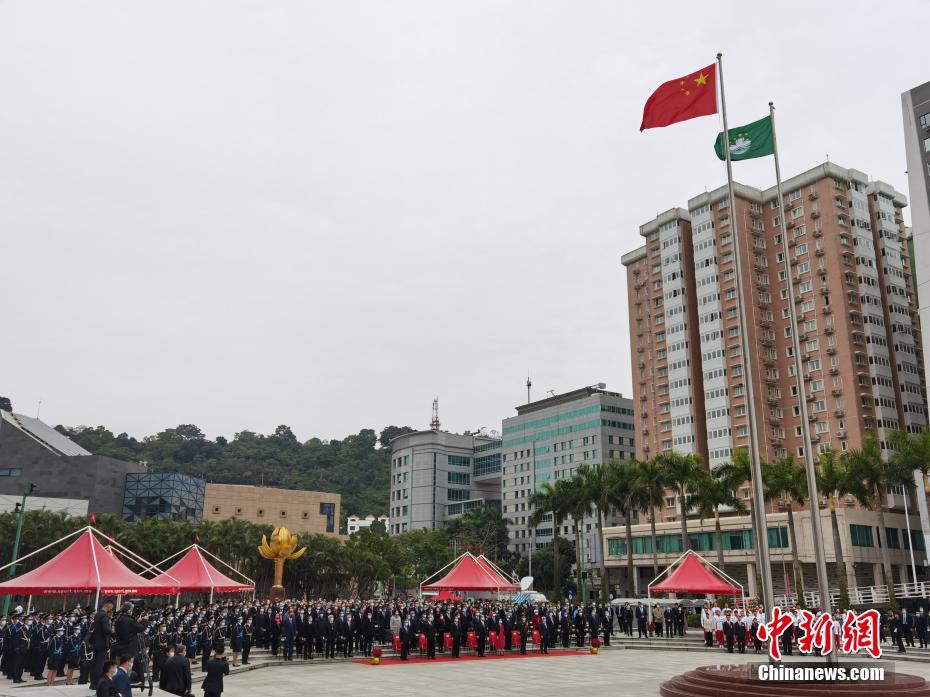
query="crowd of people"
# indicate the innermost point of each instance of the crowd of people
(111, 649)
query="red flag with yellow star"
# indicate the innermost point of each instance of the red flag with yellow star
(682, 98)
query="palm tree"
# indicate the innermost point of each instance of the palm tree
(550, 500)
(912, 450)
(786, 481)
(878, 476)
(736, 473)
(679, 471)
(577, 505)
(647, 495)
(621, 480)
(834, 481)
(599, 483)
(709, 492)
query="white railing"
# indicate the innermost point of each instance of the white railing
(864, 595)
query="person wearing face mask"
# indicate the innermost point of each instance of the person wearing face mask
(55, 652)
(330, 633)
(238, 632)
(247, 635)
(206, 644)
(38, 648)
(176, 672)
(288, 634)
(106, 687)
(72, 654)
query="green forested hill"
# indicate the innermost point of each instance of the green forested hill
(358, 466)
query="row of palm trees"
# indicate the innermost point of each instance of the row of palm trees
(626, 487)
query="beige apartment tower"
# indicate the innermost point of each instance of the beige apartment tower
(857, 322)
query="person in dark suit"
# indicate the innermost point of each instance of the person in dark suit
(543, 629)
(407, 635)
(347, 632)
(101, 631)
(105, 686)
(455, 629)
(729, 630)
(907, 625)
(523, 627)
(920, 622)
(247, 636)
(121, 679)
(307, 627)
(481, 633)
(366, 633)
(217, 667)
(126, 631)
(429, 631)
(289, 635)
(897, 631)
(642, 619)
(176, 673)
(329, 635)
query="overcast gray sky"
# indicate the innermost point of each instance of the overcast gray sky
(241, 214)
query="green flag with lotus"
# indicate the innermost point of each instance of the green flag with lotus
(749, 141)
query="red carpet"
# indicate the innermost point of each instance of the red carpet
(446, 658)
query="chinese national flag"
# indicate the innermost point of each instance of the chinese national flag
(682, 98)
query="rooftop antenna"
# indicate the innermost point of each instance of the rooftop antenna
(434, 424)
(529, 384)
(38, 409)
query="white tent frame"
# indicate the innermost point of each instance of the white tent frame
(732, 581)
(93, 531)
(456, 561)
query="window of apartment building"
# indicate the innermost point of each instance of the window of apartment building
(926, 144)
(860, 535)
(925, 120)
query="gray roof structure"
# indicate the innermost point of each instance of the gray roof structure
(44, 434)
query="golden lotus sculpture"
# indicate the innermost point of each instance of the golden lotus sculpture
(281, 547)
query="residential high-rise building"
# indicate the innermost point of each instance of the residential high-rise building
(437, 476)
(546, 441)
(858, 328)
(915, 104)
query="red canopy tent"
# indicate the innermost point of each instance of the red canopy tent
(84, 567)
(469, 574)
(194, 573)
(494, 569)
(694, 576)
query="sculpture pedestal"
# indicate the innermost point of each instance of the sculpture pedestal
(277, 594)
(714, 681)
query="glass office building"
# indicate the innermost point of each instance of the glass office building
(163, 495)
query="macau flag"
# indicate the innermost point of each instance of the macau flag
(749, 141)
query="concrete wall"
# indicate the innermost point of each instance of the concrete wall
(98, 479)
(297, 510)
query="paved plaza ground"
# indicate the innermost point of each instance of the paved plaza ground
(613, 672)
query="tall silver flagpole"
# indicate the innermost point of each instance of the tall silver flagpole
(819, 558)
(758, 493)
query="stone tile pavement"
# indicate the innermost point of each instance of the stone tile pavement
(610, 673)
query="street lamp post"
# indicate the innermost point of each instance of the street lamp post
(19, 534)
